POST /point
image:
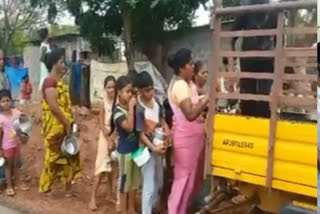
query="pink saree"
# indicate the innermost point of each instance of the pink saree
(188, 147)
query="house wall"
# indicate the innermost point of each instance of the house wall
(31, 58)
(71, 44)
(199, 41)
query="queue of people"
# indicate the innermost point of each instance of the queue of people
(132, 115)
(133, 124)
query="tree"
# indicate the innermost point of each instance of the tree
(143, 24)
(17, 16)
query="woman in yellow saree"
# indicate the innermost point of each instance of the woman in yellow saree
(56, 124)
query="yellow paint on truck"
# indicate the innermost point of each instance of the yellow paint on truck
(240, 152)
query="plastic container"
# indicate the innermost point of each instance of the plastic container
(141, 156)
(158, 138)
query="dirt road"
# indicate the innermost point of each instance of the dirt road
(6, 210)
(33, 154)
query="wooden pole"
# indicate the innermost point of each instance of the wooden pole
(213, 94)
(276, 92)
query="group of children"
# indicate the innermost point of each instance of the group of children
(129, 118)
(130, 122)
(10, 143)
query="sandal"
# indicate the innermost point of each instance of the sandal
(10, 192)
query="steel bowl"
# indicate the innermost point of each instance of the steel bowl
(2, 161)
(23, 125)
(70, 146)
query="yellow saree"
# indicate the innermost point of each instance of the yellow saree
(57, 167)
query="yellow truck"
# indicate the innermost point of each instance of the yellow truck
(274, 158)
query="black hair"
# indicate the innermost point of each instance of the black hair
(180, 59)
(43, 34)
(121, 83)
(144, 80)
(108, 79)
(53, 58)
(134, 79)
(5, 93)
(25, 77)
(132, 73)
(197, 67)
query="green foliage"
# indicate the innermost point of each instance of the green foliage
(231, 3)
(19, 19)
(17, 43)
(101, 20)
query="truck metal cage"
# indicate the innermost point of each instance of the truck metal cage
(278, 98)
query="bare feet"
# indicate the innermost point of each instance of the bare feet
(118, 207)
(93, 205)
(10, 192)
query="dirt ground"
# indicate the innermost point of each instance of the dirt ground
(33, 202)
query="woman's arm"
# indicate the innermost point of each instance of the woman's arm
(191, 111)
(51, 97)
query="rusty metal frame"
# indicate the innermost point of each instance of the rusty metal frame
(277, 98)
(266, 7)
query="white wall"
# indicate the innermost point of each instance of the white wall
(199, 41)
(31, 58)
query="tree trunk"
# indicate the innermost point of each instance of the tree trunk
(157, 54)
(127, 36)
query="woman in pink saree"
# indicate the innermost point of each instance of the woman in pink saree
(188, 132)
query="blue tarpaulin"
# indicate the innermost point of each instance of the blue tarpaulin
(3, 171)
(15, 76)
(76, 70)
